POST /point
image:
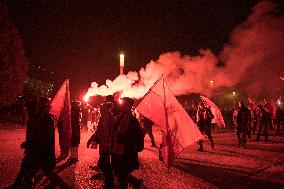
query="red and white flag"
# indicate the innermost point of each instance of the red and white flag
(179, 130)
(218, 118)
(61, 109)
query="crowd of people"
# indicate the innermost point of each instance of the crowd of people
(256, 119)
(120, 138)
(39, 147)
(119, 133)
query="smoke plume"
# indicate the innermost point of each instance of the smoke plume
(252, 61)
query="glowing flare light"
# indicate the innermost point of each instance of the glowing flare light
(86, 97)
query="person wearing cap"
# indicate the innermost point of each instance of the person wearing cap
(127, 141)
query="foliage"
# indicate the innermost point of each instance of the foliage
(35, 87)
(13, 63)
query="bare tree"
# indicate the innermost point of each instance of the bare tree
(13, 63)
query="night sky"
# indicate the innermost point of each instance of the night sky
(81, 40)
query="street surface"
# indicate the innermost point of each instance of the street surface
(261, 165)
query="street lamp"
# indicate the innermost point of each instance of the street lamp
(234, 98)
(121, 63)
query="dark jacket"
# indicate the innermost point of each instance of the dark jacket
(147, 125)
(104, 132)
(243, 117)
(40, 140)
(75, 124)
(204, 118)
(132, 141)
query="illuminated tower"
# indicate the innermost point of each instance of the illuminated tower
(121, 65)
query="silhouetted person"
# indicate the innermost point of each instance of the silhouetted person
(39, 148)
(102, 136)
(269, 108)
(264, 119)
(148, 129)
(85, 116)
(191, 111)
(204, 118)
(76, 131)
(279, 120)
(242, 120)
(63, 151)
(254, 119)
(250, 122)
(127, 141)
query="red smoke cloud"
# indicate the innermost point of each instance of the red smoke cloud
(254, 56)
(252, 61)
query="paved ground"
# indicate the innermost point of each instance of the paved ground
(261, 165)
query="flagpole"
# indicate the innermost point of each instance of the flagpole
(165, 105)
(167, 122)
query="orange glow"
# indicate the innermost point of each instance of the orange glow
(121, 57)
(120, 101)
(86, 97)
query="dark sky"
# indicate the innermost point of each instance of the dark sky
(81, 40)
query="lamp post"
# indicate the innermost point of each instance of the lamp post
(211, 83)
(121, 63)
(234, 97)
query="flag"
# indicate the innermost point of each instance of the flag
(61, 109)
(178, 129)
(282, 78)
(218, 115)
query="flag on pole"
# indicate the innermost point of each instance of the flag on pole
(178, 129)
(61, 109)
(218, 115)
